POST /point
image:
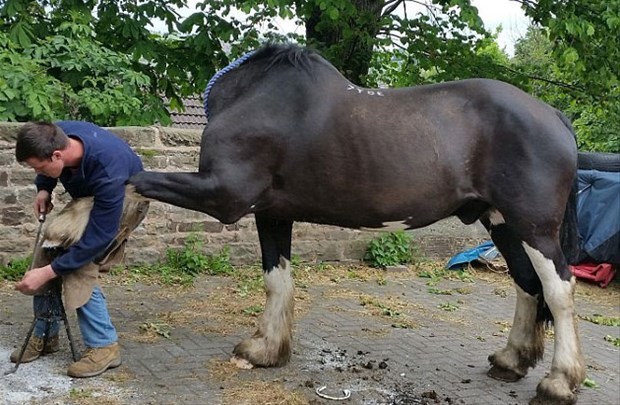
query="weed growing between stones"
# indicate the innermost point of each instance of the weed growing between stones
(392, 249)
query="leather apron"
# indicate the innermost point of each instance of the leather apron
(66, 228)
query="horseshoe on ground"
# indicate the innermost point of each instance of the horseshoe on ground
(319, 392)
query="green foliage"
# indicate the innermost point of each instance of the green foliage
(391, 249)
(585, 40)
(613, 340)
(595, 117)
(439, 291)
(602, 320)
(435, 275)
(69, 75)
(189, 260)
(448, 307)
(99, 60)
(158, 328)
(147, 153)
(183, 265)
(253, 310)
(384, 309)
(249, 282)
(192, 261)
(590, 383)
(15, 269)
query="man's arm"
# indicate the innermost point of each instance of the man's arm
(102, 227)
(34, 279)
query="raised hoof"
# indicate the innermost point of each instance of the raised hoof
(503, 374)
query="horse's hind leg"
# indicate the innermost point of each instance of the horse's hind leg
(525, 345)
(271, 343)
(538, 266)
(567, 366)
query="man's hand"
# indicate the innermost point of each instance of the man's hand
(34, 279)
(42, 203)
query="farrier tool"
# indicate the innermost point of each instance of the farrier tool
(51, 310)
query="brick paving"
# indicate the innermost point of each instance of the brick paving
(337, 344)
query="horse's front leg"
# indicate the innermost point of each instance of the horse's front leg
(271, 343)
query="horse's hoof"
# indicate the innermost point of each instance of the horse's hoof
(241, 363)
(257, 352)
(554, 390)
(503, 374)
(545, 400)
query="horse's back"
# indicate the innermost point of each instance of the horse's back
(394, 150)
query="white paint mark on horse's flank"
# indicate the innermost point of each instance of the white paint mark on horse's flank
(390, 226)
(496, 217)
(370, 92)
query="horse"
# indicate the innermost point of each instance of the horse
(290, 139)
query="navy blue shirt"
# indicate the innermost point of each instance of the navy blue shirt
(108, 162)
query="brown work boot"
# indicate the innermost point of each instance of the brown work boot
(35, 349)
(95, 361)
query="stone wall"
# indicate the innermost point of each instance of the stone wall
(173, 149)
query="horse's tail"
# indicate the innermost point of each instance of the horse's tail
(570, 243)
(569, 231)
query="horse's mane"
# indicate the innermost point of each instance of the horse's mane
(277, 55)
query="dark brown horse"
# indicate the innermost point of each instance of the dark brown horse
(290, 139)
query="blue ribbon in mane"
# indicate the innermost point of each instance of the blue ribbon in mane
(231, 66)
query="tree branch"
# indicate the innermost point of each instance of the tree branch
(389, 6)
(564, 85)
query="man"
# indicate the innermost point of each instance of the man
(93, 165)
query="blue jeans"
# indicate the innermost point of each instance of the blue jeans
(93, 319)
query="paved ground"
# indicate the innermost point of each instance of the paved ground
(388, 338)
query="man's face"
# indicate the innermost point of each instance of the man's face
(51, 167)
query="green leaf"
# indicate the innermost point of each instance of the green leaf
(590, 383)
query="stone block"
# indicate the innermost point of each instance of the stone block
(397, 269)
(7, 156)
(158, 162)
(144, 137)
(4, 179)
(12, 216)
(21, 177)
(180, 136)
(186, 159)
(8, 131)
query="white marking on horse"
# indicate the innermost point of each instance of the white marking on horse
(526, 339)
(389, 226)
(278, 315)
(271, 343)
(524, 319)
(496, 217)
(366, 91)
(279, 285)
(559, 297)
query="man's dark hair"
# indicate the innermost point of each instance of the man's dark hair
(39, 140)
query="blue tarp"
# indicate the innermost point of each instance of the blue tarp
(484, 252)
(598, 214)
